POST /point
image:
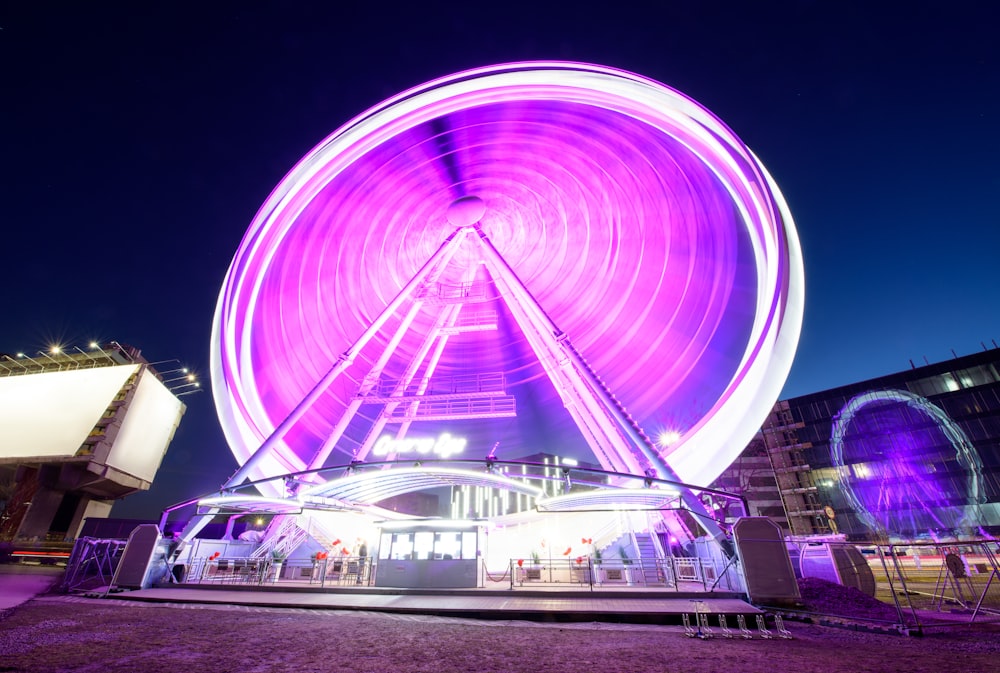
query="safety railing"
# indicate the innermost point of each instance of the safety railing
(460, 407)
(940, 583)
(472, 385)
(445, 293)
(92, 563)
(339, 571)
(912, 587)
(677, 573)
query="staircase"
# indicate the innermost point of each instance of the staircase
(319, 533)
(282, 536)
(650, 555)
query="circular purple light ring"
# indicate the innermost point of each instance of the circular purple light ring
(640, 223)
(888, 473)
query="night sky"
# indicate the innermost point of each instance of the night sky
(138, 143)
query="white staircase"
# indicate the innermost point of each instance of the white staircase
(650, 555)
(281, 537)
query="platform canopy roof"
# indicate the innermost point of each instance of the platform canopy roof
(362, 490)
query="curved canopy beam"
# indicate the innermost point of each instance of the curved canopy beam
(611, 499)
(370, 487)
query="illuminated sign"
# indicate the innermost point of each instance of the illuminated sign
(443, 446)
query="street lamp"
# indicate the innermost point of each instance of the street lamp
(31, 359)
(95, 346)
(196, 385)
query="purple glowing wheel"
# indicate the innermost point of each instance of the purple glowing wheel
(638, 222)
(904, 467)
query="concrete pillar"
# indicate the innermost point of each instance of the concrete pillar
(41, 512)
(88, 509)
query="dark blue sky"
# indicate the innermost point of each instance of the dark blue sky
(138, 143)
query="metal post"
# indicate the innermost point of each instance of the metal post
(892, 589)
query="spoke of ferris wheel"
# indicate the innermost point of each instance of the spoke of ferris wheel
(369, 380)
(596, 402)
(549, 356)
(584, 403)
(447, 317)
(401, 386)
(438, 339)
(446, 250)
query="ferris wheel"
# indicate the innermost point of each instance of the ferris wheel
(513, 254)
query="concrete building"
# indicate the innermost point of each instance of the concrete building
(910, 456)
(79, 430)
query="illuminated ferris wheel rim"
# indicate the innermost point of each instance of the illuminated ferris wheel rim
(965, 454)
(753, 387)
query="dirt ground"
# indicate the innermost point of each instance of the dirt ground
(59, 633)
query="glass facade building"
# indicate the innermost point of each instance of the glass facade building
(909, 456)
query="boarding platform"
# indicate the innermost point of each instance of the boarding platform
(548, 605)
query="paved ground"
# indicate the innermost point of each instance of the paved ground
(20, 583)
(63, 634)
(213, 631)
(524, 605)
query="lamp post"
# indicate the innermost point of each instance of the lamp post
(55, 350)
(187, 376)
(31, 359)
(96, 346)
(196, 385)
(15, 362)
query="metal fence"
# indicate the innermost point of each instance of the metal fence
(676, 573)
(672, 573)
(345, 571)
(92, 563)
(935, 585)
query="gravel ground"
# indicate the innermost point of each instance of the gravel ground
(55, 633)
(834, 599)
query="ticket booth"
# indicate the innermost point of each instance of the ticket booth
(437, 555)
